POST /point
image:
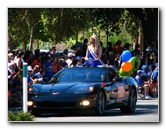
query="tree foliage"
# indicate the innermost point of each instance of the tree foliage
(60, 24)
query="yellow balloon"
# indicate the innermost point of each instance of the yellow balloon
(126, 66)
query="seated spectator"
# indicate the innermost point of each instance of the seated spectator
(142, 85)
(70, 59)
(64, 65)
(14, 96)
(29, 75)
(79, 61)
(154, 82)
(39, 76)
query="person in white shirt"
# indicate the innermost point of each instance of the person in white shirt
(70, 59)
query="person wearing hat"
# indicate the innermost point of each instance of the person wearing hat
(29, 75)
(70, 59)
(143, 86)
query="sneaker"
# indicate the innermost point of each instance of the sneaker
(142, 96)
(147, 97)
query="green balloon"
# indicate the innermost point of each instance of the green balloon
(135, 61)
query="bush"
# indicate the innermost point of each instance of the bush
(21, 116)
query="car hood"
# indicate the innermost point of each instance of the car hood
(61, 87)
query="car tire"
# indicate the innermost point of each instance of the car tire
(100, 103)
(131, 105)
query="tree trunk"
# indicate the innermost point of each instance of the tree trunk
(150, 30)
(76, 36)
(10, 46)
(107, 37)
(31, 38)
(149, 20)
(25, 46)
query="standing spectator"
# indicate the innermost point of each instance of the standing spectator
(118, 49)
(104, 53)
(53, 50)
(78, 51)
(108, 49)
(93, 53)
(28, 57)
(48, 67)
(137, 50)
(37, 63)
(110, 59)
(11, 64)
(65, 52)
(116, 62)
(19, 65)
(56, 65)
(84, 47)
(126, 46)
(19, 62)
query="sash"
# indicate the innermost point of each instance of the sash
(92, 52)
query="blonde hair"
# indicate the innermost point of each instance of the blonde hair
(97, 42)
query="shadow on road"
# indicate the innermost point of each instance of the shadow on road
(140, 109)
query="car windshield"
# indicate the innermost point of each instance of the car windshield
(80, 75)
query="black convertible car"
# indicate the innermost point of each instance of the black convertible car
(73, 89)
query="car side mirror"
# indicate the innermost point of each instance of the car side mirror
(117, 79)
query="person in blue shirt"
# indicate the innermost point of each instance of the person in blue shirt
(48, 67)
(143, 86)
(154, 82)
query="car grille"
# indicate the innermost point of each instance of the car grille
(56, 104)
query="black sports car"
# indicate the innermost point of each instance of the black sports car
(83, 88)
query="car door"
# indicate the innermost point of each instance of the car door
(116, 89)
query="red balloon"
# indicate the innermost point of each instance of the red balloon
(126, 66)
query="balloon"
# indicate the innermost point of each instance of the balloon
(126, 66)
(126, 55)
(135, 61)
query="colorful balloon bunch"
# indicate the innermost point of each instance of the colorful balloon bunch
(130, 64)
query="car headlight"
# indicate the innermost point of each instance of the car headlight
(86, 89)
(33, 90)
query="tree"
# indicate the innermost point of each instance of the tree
(107, 19)
(149, 22)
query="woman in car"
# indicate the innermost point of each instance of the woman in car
(93, 53)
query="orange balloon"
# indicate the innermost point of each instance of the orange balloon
(126, 66)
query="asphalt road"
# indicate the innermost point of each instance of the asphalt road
(146, 111)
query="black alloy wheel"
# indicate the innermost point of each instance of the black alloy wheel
(131, 106)
(100, 103)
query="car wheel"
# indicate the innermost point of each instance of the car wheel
(130, 108)
(100, 103)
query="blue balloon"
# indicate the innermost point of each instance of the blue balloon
(126, 55)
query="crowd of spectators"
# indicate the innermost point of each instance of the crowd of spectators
(43, 65)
